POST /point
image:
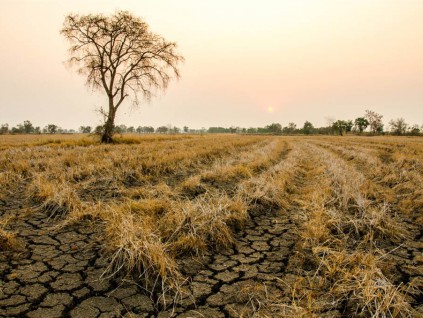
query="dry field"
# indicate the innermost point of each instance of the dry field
(211, 226)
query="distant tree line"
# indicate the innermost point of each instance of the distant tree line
(28, 128)
(369, 124)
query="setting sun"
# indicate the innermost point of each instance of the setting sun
(270, 109)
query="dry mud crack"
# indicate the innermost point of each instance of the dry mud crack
(226, 285)
(57, 272)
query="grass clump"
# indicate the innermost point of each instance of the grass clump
(8, 239)
(58, 199)
(357, 280)
(136, 247)
(208, 220)
(145, 237)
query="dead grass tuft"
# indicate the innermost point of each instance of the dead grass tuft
(57, 199)
(136, 247)
(357, 278)
(207, 220)
(8, 239)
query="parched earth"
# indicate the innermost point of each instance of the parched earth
(57, 272)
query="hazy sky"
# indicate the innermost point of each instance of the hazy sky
(248, 63)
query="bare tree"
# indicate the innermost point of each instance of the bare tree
(120, 55)
(375, 121)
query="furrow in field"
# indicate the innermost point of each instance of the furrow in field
(398, 181)
(376, 232)
(388, 148)
(244, 279)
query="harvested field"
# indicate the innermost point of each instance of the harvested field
(211, 226)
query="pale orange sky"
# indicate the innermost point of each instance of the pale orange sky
(304, 59)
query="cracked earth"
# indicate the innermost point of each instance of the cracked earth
(57, 272)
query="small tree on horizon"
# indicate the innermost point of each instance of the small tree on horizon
(85, 129)
(52, 128)
(340, 126)
(162, 129)
(28, 127)
(375, 121)
(274, 128)
(414, 130)
(4, 129)
(308, 128)
(361, 123)
(398, 126)
(120, 56)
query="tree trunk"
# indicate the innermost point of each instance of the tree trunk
(109, 126)
(107, 136)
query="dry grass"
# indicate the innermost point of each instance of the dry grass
(11, 141)
(56, 198)
(140, 193)
(260, 300)
(393, 165)
(342, 228)
(162, 198)
(136, 247)
(8, 239)
(207, 220)
(358, 280)
(269, 188)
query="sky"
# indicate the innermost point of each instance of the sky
(247, 63)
